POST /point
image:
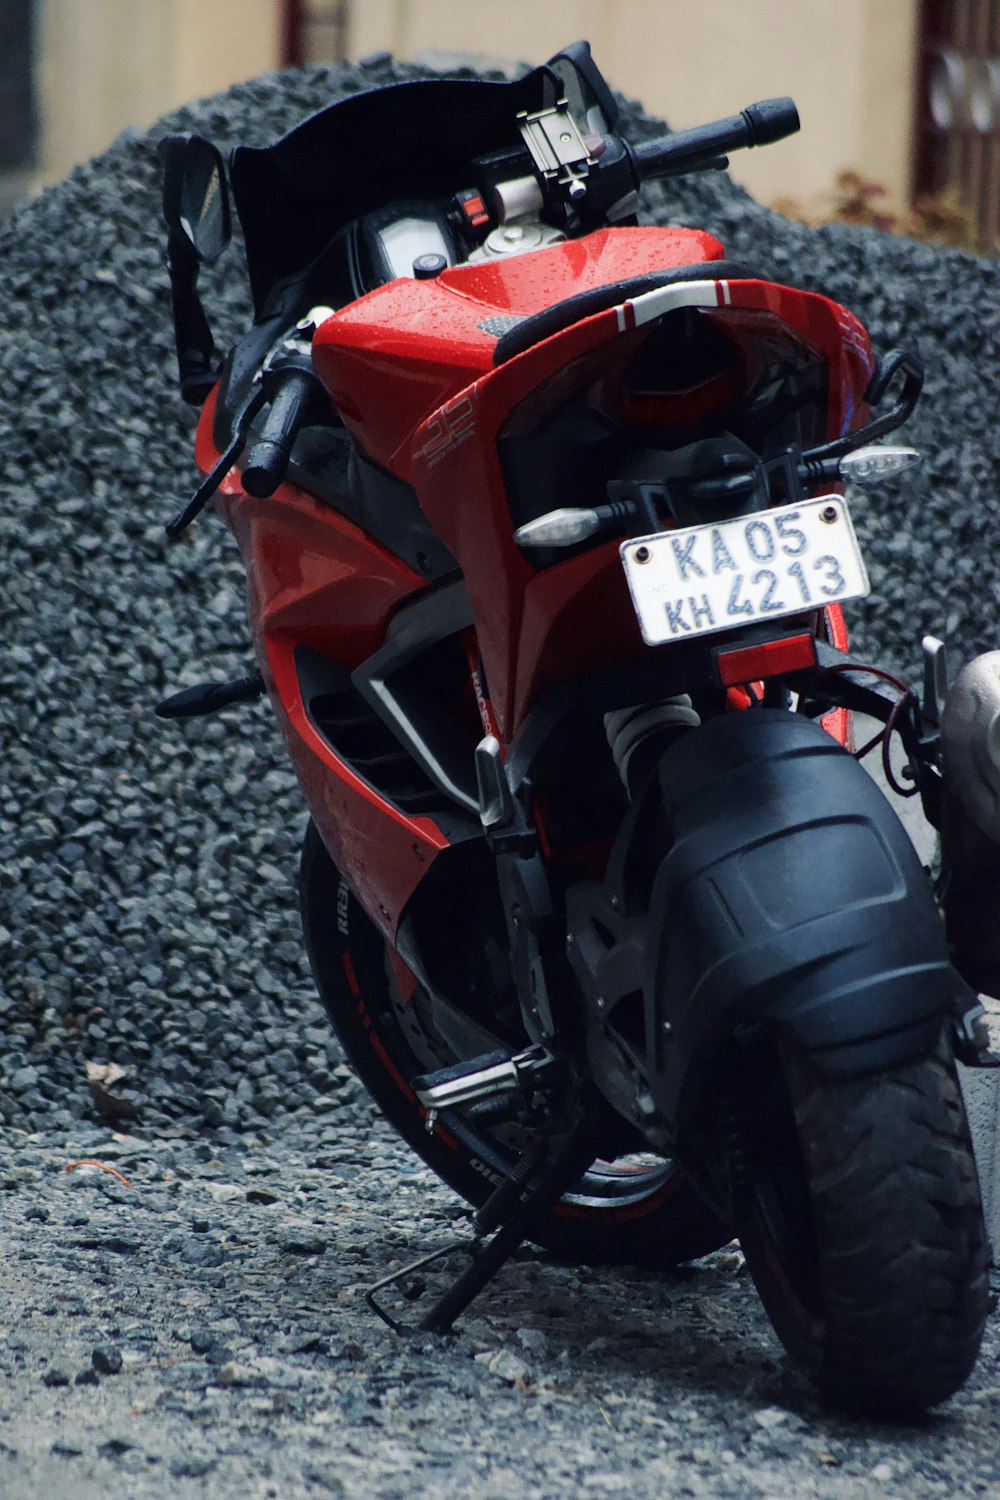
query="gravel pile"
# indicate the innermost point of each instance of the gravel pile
(147, 871)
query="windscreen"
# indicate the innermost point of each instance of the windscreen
(407, 140)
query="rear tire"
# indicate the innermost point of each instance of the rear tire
(864, 1230)
(636, 1211)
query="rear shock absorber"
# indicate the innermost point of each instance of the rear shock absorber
(639, 735)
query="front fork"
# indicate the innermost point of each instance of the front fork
(534, 929)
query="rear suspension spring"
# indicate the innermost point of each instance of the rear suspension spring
(639, 735)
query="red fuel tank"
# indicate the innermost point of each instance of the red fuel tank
(397, 354)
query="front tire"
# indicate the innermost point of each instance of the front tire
(624, 1211)
(863, 1229)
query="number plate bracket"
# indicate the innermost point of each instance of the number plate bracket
(768, 653)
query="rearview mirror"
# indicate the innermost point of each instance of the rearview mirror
(195, 198)
(196, 208)
(591, 101)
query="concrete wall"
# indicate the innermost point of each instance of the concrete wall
(850, 67)
(107, 64)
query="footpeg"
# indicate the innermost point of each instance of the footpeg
(210, 697)
(488, 1077)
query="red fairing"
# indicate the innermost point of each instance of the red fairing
(425, 341)
(316, 580)
(479, 532)
(411, 370)
(834, 330)
(312, 575)
(382, 853)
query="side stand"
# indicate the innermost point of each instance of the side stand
(533, 1186)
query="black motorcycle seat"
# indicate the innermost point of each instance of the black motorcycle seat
(560, 315)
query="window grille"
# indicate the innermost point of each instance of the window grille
(958, 110)
(17, 110)
(313, 31)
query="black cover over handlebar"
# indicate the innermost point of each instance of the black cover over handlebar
(685, 150)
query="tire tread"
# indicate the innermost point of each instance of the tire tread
(900, 1243)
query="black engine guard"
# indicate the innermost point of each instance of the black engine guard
(780, 886)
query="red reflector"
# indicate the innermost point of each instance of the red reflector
(767, 659)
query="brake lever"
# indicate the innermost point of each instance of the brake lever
(710, 164)
(241, 426)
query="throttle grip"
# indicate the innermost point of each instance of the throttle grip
(771, 120)
(700, 147)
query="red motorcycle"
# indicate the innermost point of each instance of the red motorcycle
(546, 543)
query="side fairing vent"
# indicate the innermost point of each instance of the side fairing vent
(393, 762)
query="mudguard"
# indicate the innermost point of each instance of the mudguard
(790, 893)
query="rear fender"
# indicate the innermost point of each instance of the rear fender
(789, 893)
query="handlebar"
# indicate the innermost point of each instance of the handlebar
(268, 459)
(687, 150)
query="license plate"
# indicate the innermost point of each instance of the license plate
(719, 576)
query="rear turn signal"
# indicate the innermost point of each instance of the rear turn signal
(739, 664)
